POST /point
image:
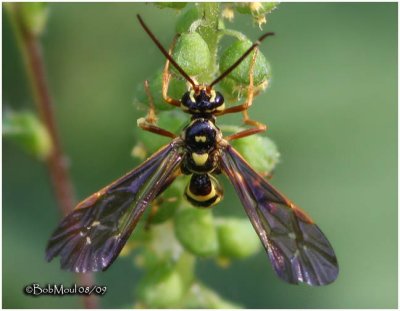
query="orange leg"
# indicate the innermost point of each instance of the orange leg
(149, 122)
(165, 80)
(151, 114)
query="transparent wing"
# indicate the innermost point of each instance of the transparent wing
(297, 248)
(93, 234)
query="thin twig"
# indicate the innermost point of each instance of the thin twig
(56, 162)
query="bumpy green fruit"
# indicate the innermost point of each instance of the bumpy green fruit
(256, 8)
(261, 70)
(186, 19)
(172, 121)
(192, 54)
(171, 5)
(26, 130)
(195, 229)
(260, 151)
(161, 288)
(170, 200)
(34, 16)
(177, 88)
(237, 238)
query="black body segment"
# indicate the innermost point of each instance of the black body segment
(93, 234)
(200, 135)
(298, 250)
(203, 190)
(202, 102)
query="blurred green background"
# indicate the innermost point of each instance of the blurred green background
(331, 109)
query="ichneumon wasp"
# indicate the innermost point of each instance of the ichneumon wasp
(91, 237)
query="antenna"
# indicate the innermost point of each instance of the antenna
(166, 54)
(241, 58)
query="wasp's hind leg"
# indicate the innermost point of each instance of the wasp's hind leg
(257, 127)
(149, 123)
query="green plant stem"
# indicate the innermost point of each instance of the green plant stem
(233, 33)
(56, 162)
(210, 11)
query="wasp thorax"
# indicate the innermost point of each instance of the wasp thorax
(202, 102)
(200, 136)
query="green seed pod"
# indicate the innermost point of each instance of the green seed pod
(192, 54)
(186, 19)
(177, 88)
(34, 16)
(170, 200)
(261, 70)
(185, 266)
(146, 259)
(25, 129)
(260, 151)
(256, 8)
(202, 297)
(172, 121)
(171, 5)
(231, 89)
(161, 287)
(195, 229)
(221, 24)
(237, 238)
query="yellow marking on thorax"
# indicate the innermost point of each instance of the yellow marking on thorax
(199, 159)
(200, 138)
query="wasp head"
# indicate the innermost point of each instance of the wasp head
(202, 100)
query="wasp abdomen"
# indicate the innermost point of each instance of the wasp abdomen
(203, 190)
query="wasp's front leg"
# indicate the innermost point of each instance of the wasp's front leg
(165, 80)
(149, 123)
(257, 127)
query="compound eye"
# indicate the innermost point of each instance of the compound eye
(219, 99)
(188, 98)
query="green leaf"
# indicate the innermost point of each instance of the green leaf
(25, 129)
